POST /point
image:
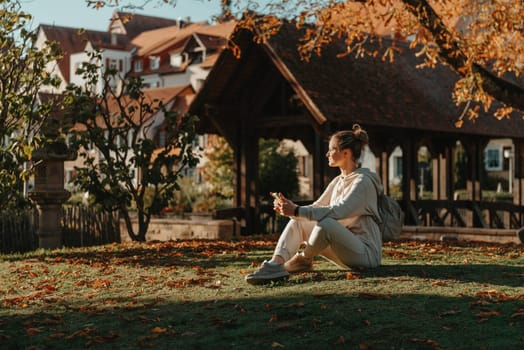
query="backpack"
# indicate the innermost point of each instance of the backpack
(391, 218)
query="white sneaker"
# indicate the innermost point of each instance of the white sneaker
(267, 273)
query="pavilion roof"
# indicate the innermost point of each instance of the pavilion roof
(367, 90)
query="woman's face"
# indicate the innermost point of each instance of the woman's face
(336, 157)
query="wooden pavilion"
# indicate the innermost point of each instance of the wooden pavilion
(269, 92)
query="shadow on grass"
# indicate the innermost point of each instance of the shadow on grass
(214, 254)
(188, 253)
(301, 321)
(512, 276)
(496, 275)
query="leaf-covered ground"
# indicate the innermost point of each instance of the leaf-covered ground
(192, 295)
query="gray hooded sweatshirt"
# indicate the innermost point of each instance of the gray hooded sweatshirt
(352, 200)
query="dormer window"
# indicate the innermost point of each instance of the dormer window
(138, 66)
(154, 62)
(176, 60)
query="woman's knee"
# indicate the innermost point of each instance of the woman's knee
(293, 227)
(324, 228)
(328, 223)
(302, 226)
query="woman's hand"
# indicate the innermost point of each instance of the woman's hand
(277, 202)
(282, 205)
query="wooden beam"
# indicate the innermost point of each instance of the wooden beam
(295, 85)
(264, 88)
(212, 113)
(282, 121)
(247, 175)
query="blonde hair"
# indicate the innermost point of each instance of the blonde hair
(354, 139)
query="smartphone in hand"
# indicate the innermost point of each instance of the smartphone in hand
(276, 195)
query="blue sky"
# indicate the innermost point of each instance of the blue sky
(76, 14)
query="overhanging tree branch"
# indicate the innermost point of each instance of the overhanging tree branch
(503, 90)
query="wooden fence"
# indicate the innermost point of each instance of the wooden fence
(81, 226)
(18, 231)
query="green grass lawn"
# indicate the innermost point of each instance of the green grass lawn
(192, 295)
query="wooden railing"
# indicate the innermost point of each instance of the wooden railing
(443, 213)
(463, 213)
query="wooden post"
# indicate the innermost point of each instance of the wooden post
(518, 184)
(475, 152)
(449, 170)
(380, 150)
(441, 169)
(319, 160)
(409, 183)
(442, 176)
(248, 169)
(238, 170)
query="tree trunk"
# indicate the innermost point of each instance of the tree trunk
(143, 224)
(129, 226)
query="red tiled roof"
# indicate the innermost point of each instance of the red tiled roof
(223, 30)
(135, 24)
(210, 60)
(73, 40)
(175, 39)
(177, 94)
(164, 95)
(154, 41)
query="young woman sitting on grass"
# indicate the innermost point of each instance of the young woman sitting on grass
(339, 225)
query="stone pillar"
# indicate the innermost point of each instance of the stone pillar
(49, 194)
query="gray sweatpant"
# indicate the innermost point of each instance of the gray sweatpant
(327, 238)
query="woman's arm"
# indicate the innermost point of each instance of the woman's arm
(361, 199)
(287, 207)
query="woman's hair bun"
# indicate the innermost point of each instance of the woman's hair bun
(360, 134)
